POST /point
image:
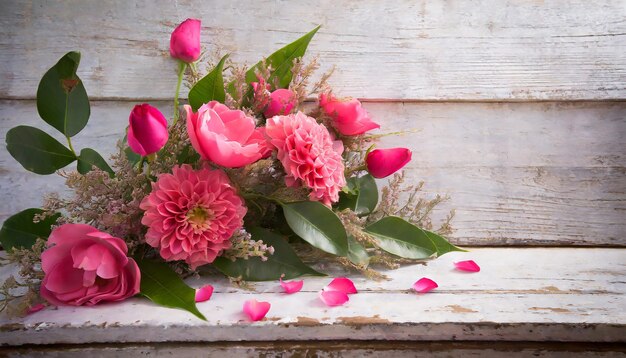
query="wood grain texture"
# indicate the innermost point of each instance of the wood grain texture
(531, 294)
(325, 349)
(521, 174)
(411, 50)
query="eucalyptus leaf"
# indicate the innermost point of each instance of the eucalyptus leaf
(163, 286)
(37, 151)
(20, 231)
(357, 253)
(209, 88)
(284, 261)
(317, 225)
(442, 245)
(401, 238)
(360, 196)
(89, 158)
(61, 97)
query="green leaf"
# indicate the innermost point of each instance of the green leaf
(360, 196)
(317, 225)
(20, 231)
(37, 151)
(281, 61)
(283, 261)
(164, 287)
(89, 158)
(61, 97)
(209, 88)
(442, 245)
(401, 238)
(357, 253)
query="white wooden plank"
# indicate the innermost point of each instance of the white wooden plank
(465, 307)
(461, 50)
(523, 173)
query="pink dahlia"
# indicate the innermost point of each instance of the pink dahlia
(191, 214)
(309, 155)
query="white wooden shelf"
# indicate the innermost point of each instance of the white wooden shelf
(521, 294)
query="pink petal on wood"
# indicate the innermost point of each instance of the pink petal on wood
(291, 286)
(204, 293)
(469, 266)
(333, 298)
(36, 308)
(256, 310)
(341, 284)
(424, 285)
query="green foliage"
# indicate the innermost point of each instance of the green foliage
(401, 238)
(284, 261)
(360, 195)
(61, 97)
(37, 151)
(317, 225)
(164, 287)
(19, 231)
(89, 158)
(209, 88)
(357, 253)
(442, 245)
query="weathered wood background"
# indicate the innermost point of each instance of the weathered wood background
(519, 106)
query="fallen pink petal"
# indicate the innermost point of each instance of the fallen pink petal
(36, 308)
(424, 285)
(334, 298)
(469, 266)
(341, 284)
(204, 293)
(256, 310)
(291, 286)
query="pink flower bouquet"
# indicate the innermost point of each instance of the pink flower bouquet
(261, 168)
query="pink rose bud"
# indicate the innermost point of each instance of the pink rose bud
(84, 266)
(384, 162)
(147, 130)
(227, 137)
(185, 41)
(348, 116)
(282, 102)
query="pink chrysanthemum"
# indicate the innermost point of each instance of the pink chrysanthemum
(191, 214)
(309, 155)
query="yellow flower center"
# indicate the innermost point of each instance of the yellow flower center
(199, 217)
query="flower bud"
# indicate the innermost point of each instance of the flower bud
(147, 130)
(383, 162)
(185, 41)
(282, 102)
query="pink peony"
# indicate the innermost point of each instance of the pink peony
(309, 155)
(348, 116)
(191, 214)
(84, 266)
(185, 41)
(225, 136)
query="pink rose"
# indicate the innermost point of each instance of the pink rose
(384, 162)
(84, 266)
(348, 116)
(225, 136)
(185, 41)
(280, 102)
(147, 130)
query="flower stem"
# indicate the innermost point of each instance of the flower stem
(181, 71)
(69, 143)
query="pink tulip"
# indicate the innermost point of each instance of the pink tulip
(348, 116)
(147, 130)
(225, 136)
(185, 41)
(384, 162)
(84, 266)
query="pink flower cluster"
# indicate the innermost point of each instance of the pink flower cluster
(309, 155)
(191, 214)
